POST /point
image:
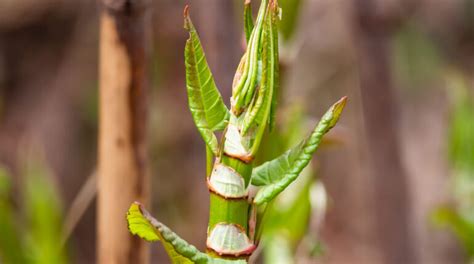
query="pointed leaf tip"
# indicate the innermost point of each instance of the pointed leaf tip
(187, 20)
(342, 102)
(186, 11)
(248, 21)
(142, 224)
(139, 225)
(276, 175)
(337, 110)
(205, 102)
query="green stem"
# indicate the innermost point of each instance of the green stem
(230, 213)
(209, 156)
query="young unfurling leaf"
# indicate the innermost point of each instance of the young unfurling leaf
(260, 109)
(276, 67)
(248, 20)
(245, 84)
(277, 174)
(205, 102)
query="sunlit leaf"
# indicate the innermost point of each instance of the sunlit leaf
(142, 224)
(277, 174)
(205, 102)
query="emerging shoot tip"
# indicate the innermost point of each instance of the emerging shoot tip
(187, 20)
(186, 11)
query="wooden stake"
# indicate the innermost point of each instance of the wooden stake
(122, 166)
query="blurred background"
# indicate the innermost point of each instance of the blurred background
(399, 184)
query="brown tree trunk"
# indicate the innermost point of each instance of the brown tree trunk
(393, 223)
(122, 169)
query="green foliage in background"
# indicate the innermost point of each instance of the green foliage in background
(31, 233)
(416, 58)
(10, 242)
(286, 220)
(290, 17)
(459, 218)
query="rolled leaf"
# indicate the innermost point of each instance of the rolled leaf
(248, 20)
(276, 65)
(248, 75)
(261, 108)
(205, 102)
(142, 224)
(277, 174)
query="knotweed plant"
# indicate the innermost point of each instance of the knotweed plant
(235, 215)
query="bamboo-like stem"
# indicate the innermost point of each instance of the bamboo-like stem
(232, 211)
(230, 229)
(122, 165)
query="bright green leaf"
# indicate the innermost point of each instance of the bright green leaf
(142, 224)
(205, 102)
(139, 225)
(277, 174)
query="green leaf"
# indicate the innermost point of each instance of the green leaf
(276, 70)
(248, 73)
(291, 12)
(11, 246)
(461, 142)
(290, 213)
(205, 102)
(142, 224)
(277, 174)
(464, 230)
(261, 105)
(278, 250)
(248, 20)
(42, 207)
